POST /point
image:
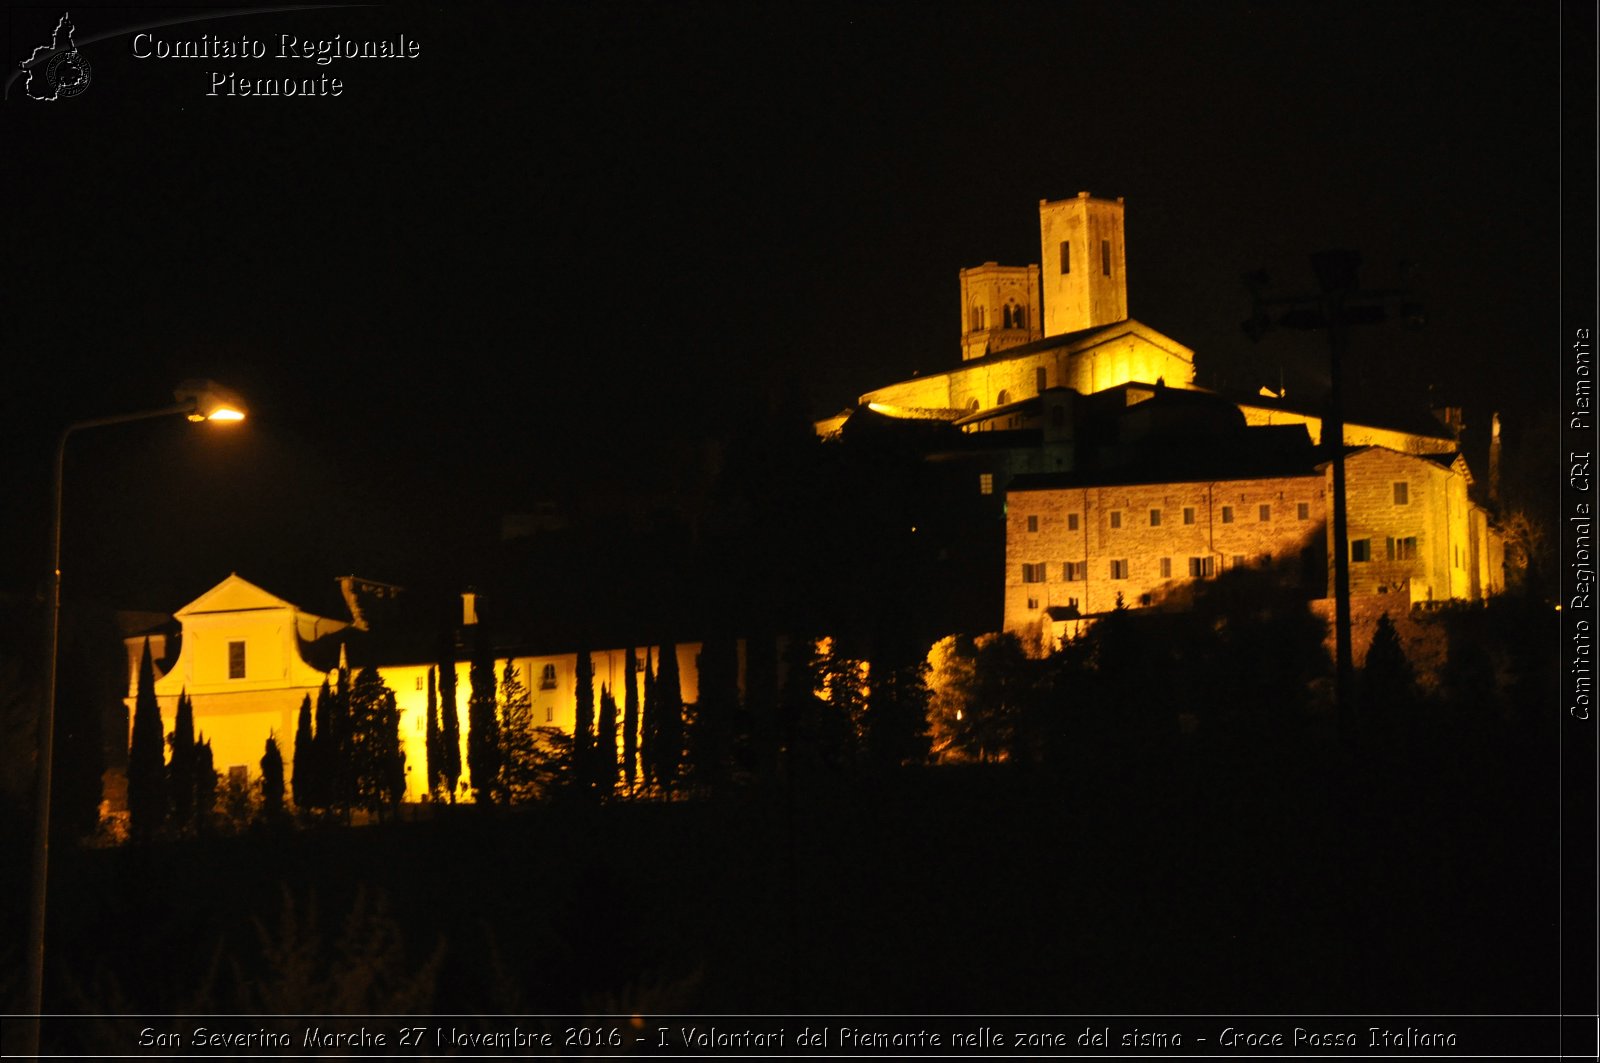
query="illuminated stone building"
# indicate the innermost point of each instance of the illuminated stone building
(247, 659)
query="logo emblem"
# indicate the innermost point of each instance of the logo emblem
(60, 66)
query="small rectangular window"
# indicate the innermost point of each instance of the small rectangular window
(1066, 257)
(1302, 511)
(1402, 493)
(1188, 514)
(1155, 518)
(419, 682)
(1105, 257)
(1072, 522)
(549, 713)
(1073, 571)
(1032, 573)
(1039, 378)
(1033, 523)
(1033, 603)
(1264, 514)
(1166, 568)
(1116, 518)
(1361, 549)
(1227, 514)
(1201, 567)
(1119, 568)
(986, 483)
(1403, 549)
(236, 660)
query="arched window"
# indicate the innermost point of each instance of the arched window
(1002, 398)
(547, 678)
(972, 405)
(977, 318)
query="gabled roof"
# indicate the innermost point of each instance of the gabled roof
(238, 595)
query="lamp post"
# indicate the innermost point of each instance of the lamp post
(198, 400)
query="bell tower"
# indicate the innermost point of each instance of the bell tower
(999, 308)
(1085, 265)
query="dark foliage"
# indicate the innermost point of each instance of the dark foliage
(630, 720)
(483, 726)
(147, 782)
(272, 781)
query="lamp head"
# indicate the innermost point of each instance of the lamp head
(212, 401)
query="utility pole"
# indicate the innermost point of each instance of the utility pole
(1338, 305)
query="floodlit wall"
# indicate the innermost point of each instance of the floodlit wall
(1080, 547)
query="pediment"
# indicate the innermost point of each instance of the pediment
(233, 595)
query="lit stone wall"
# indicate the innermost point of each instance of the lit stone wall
(1087, 294)
(1355, 435)
(987, 291)
(1436, 514)
(1096, 542)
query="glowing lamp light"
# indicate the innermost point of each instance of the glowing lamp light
(212, 401)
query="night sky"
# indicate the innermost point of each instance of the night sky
(565, 233)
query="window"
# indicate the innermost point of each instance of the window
(1401, 549)
(1155, 518)
(1032, 573)
(1105, 257)
(1402, 493)
(238, 775)
(1073, 571)
(1202, 567)
(547, 678)
(986, 483)
(1361, 549)
(236, 660)
(1039, 378)
(1002, 398)
(1166, 568)
(1188, 514)
(1066, 257)
(419, 682)
(1238, 561)
(1033, 524)
(549, 714)
(1264, 514)
(1119, 568)
(1072, 522)
(1116, 518)
(1033, 603)
(1227, 514)
(1302, 511)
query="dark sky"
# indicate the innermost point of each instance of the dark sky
(564, 230)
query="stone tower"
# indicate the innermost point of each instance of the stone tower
(1085, 263)
(999, 308)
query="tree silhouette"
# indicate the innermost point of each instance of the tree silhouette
(305, 754)
(180, 768)
(1388, 684)
(205, 784)
(449, 720)
(630, 719)
(377, 764)
(519, 742)
(147, 790)
(669, 719)
(584, 771)
(710, 737)
(649, 727)
(432, 739)
(272, 781)
(483, 727)
(605, 759)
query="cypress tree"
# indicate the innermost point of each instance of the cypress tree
(340, 763)
(431, 740)
(669, 725)
(205, 783)
(583, 746)
(272, 780)
(517, 737)
(322, 750)
(180, 769)
(606, 747)
(649, 738)
(449, 723)
(630, 719)
(377, 765)
(304, 758)
(147, 790)
(483, 727)
(711, 737)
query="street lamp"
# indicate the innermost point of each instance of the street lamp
(198, 400)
